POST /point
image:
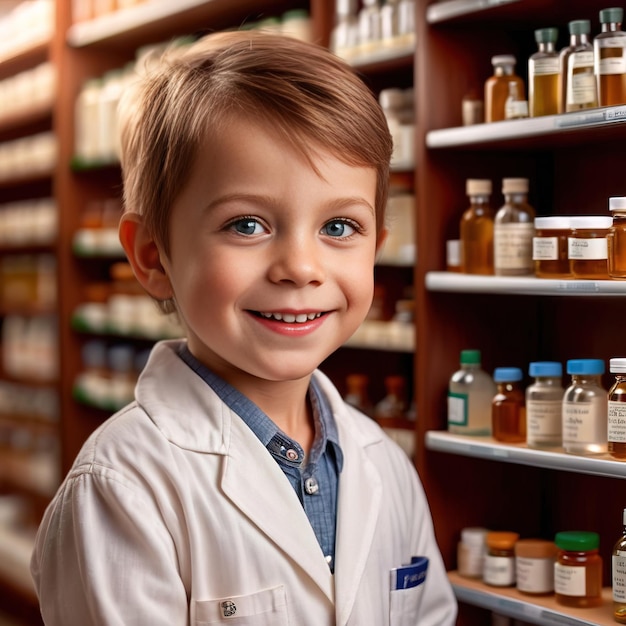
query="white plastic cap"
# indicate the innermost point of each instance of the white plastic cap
(503, 59)
(478, 187)
(474, 536)
(591, 221)
(618, 365)
(553, 222)
(515, 185)
(617, 204)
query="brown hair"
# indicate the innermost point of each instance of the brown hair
(309, 97)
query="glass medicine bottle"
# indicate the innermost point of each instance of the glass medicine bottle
(470, 393)
(544, 405)
(471, 552)
(610, 58)
(534, 566)
(345, 34)
(499, 568)
(578, 569)
(497, 87)
(357, 393)
(616, 238)
(544, 75)
(508, 407)
(588, 246)
(617, 411)
(585, 405)
(476, 229)
(619, 575)
(394, 405)
(514, 230)
(550, 247)
(578, 80)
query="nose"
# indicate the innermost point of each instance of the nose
(297, 261)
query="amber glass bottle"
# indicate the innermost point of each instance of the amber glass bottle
(544, 75)
(610, 58)
(476, 229)
(617, 411)
(508, 408)
(497, 87)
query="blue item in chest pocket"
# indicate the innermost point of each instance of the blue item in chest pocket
(411, 575)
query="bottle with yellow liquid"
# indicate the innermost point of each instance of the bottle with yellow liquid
(544, 75)
(610, 58)
(579, 88)
(619, 575)
(476, 229)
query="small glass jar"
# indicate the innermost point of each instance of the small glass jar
(588, 246)
(508, 409)
(550, 247)
(578, 569)
(499, 568)
(544, 405)
(471, 552)
(534, 566)
(617, 238)
(617, 410)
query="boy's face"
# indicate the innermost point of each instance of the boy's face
(271, 264)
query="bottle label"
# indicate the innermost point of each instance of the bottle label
(611, 58)
(541, 67)
(513, 246)
(619, 576)
(580, 59)
(457, 408)
(545, 248)
(534, 575)
(587, 249)
(617, 422)
(581, 80)
(570, 581)
(582, 422)
(499, 570)
(544, 419)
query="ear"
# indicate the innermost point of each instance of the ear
(144, 256)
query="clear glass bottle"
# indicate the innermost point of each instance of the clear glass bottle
(616, 238)
(585, 405)
(370, 33)
(550, 247)
(544, 405)
(618, 566)
(476, 229)
(497, 87)
(508, 407)
(470, 393)
(610, 58)
(578, 79)
(578, 569)
(344, 37)
(514, 231)
(588, 246)
(500, 559)
(617, 411)
(544, 75)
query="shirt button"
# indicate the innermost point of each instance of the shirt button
(311, 486)
(292, 455)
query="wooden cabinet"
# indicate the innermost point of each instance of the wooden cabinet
(573, 163)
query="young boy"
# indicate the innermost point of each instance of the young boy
(239, 486)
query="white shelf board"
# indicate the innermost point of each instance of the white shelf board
(488, 448)
(441, 11)
(522, 285)
(507, 130)
(382, 55)
(541, 610)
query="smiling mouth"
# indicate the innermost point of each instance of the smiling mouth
(290, 318)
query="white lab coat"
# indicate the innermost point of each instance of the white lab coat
(174, 513)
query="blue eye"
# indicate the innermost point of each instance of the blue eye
(247, 226)
(339, 228)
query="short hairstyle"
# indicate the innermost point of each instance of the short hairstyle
(308, 96)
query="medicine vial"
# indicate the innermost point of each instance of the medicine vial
(550, 247)
(471, 552)
(578, 79)
(497, 87)
(534, 566)
(616, 238)
(578, 569)
(508, 408)
(544, 76)
(476, 229)
(585, 408)
(500, 559)
(470, 392)
(610, 58)
(617, 410)
(514, 229)
(588, 246)
(618, 566)
(544, 405)
(357, 393)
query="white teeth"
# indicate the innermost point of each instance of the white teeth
(290, 318)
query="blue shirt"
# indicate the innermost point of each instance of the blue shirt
(315, 479)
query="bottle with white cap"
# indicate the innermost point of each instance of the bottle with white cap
(617, 410)
(616, 238)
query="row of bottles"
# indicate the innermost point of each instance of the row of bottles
(27, 91)
(28, 281)
(28, 156)
(27, 24)
(586, 73)
(514, 242)
(583, 419)
(28, 222)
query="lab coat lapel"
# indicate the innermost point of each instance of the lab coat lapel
(360, 498)
(257, 486)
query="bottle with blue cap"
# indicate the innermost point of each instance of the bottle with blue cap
(508, 407)
(585, 408)
(544, 404)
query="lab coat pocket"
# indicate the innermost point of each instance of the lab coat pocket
(406, 591)
(267, 607)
